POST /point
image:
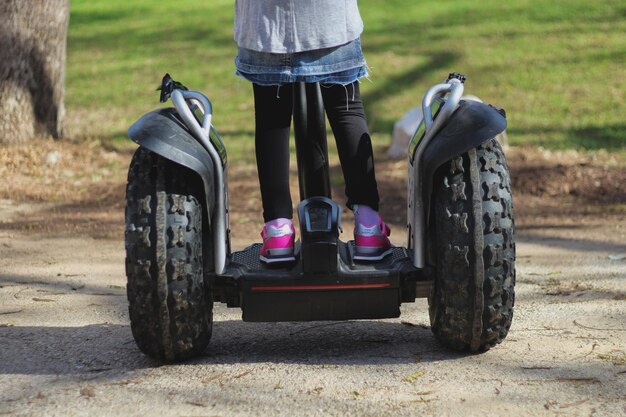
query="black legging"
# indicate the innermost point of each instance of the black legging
(273, 109)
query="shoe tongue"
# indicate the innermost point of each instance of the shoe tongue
(367, 216)
(278, 223)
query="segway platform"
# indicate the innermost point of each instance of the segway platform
(325, 282)
(288, 293)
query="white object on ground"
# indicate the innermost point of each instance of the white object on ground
(404, 129)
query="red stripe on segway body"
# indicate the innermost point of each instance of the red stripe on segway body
(320, 287)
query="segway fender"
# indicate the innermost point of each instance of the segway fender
(472, 124)
(161, 132)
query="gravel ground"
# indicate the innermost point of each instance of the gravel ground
(66, 347)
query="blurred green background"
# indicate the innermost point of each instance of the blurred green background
(557, 67)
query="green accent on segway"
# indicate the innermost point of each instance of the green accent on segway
(421, 129)
(216, 140)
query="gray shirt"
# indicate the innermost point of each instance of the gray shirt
(286, 26)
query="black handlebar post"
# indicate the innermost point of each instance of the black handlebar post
(311, 144)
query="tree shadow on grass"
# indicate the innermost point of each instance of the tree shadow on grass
(185, 27)
(406, 80)
(609, 137)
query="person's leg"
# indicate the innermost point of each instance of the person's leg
(273, 108)
(346, 115)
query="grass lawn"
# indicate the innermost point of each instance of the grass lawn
(556, 66)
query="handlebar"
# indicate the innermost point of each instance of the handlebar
(184, 100)
(453, 86)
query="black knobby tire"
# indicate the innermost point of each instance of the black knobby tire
(471, 307)
(170, 305)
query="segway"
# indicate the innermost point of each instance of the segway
(460, 252)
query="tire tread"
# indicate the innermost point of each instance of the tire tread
(170, 306)
(471, 308)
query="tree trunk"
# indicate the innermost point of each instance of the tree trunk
(33, 36)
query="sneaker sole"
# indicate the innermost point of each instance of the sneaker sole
(277, 259)
(271, 253)
(371, 254)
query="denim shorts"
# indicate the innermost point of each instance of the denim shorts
(343, 64)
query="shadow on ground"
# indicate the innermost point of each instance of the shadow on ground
(109, 348)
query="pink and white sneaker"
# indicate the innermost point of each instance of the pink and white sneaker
(278, 240)
(370, 235)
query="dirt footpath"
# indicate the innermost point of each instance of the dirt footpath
(66, 347)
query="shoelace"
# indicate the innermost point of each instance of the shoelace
(272, 231)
